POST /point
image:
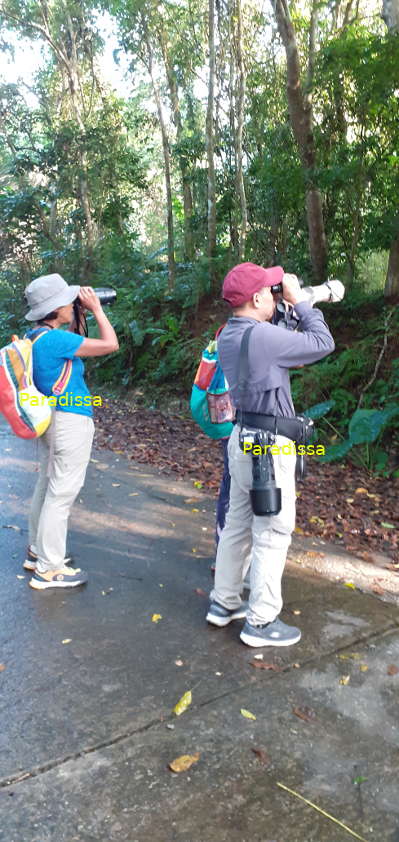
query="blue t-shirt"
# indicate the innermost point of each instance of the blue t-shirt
(53, 374)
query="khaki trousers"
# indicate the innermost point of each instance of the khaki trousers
(266, 539)
(64, 453)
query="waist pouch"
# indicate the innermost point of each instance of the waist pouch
(297, 428)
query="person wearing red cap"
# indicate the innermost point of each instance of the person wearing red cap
(272, 351)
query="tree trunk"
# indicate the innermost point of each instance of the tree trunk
(166, 157)
(240, 100)
(72, 67)
(210, 140)
(232, 149)
(392, 279)
(390, 14)
(184, 172)
(301, 116)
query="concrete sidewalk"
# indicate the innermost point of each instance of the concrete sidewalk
(90, 681)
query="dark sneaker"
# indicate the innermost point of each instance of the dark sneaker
(66, 577)
(220, 616)
(276, 633)
(31, 560)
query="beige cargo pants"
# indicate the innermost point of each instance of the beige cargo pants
(64, 453)
(265, 539)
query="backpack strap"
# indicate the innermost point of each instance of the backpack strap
(61, 383)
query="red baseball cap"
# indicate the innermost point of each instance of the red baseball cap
(243, 280)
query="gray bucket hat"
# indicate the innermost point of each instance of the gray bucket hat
(46, 294)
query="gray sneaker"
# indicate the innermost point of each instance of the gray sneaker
(276, 633)
(220, 616)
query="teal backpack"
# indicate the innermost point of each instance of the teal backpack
(210, 402)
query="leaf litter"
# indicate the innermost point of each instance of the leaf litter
(165, 442)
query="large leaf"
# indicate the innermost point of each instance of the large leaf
(366, 424)
(319, 409)
(336, 451)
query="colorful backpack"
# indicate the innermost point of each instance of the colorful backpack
(25, 408)
(210, 402)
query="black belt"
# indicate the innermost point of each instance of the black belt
(296, 428)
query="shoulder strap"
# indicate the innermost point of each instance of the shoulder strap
(243, 367)
(39, 332)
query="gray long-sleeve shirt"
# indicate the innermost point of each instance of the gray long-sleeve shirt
(272, 352)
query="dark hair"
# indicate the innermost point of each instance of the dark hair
(48, 318)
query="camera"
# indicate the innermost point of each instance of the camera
(285, 315)
(106, 295)
(264, 494)
(331, 291)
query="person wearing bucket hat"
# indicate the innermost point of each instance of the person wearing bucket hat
(64, 450)
(264, 402)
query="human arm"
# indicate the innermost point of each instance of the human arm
(108, 341)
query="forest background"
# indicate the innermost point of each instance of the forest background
(247, 130)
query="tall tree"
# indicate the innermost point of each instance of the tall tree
(301, 116)
(210, 136)
(390, 15)
(66, 29)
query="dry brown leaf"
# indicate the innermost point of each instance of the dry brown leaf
(345, 680)
(201, 592)
(182, 763)
(262, 755)
(392, 669)
(2, 667)
(261, 665)
(305, 713)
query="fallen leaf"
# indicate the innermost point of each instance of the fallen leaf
(363, 667)
(197, 484)
(349, 656)
(2, 667)
(182, 763)
(361, 491)
(392, 670)
(247, 714)
(296, 666)
(345, 679)
(156, 618)
(195, 510)
(359, 780)
(298, 530)
(201, 592)
(350, 585)
(316, 519)
(305, 713)
(262, 755)
(67, 640)
(183, 703)
(194, 550)
(261, 665)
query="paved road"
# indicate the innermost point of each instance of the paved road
(86, 726)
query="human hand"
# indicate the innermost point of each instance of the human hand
(292, 292)
(89, 300)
